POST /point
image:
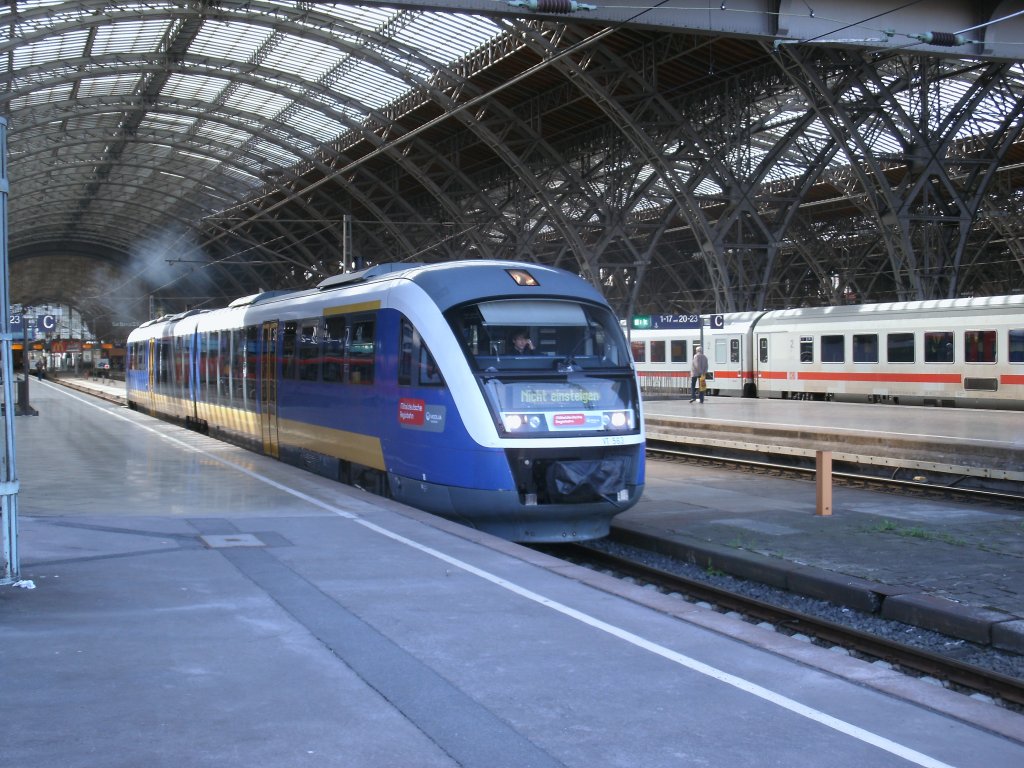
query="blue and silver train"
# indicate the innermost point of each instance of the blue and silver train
(404, 379)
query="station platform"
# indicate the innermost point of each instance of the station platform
(917, 439)
(185, 602)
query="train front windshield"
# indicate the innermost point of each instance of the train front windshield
(550, 366)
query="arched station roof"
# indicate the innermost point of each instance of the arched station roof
(164, 154)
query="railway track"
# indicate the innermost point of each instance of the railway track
(851, 477)
(952, 673)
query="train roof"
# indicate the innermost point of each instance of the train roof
(936, 307)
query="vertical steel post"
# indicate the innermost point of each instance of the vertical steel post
(9, 478)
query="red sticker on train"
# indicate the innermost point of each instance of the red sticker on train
(569, 419)
(411, 411)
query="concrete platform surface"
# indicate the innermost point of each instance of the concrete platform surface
(195, 604)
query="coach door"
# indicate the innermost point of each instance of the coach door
(268, 389)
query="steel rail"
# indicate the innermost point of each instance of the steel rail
(922, 662)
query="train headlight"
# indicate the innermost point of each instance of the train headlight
(521, 422)
(617, 420)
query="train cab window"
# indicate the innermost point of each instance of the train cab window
(334, 348)
(309, 350)
(288, 343)
(865, 347)
(658, 351)
(639, 350)
(806, 349)
(938, 347)
(899, 348)
(832, 349)
(360, 351)
(678, 350)
(1015, 338)
(980, 347)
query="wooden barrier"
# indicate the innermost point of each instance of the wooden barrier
(823, 482)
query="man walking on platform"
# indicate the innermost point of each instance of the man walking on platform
(698, 370)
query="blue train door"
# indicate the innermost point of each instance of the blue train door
(268, 389)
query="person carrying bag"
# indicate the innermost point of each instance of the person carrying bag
(698, 375)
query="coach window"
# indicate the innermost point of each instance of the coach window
(334, 348)
(762, 349)
(657, 351)
(980, 347)
(288, 345)
(361, 350)
(865, 347)
(250, 368)
(938, 347)
(832, 349)
(678, 350)
(309, 350)
(639, 351)
(734, 350)
(899, 348)
(806, 349)
(238, 367)
(224, 367)
(1016, 339)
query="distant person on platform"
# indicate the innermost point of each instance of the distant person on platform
(698, 370)
(40, 369)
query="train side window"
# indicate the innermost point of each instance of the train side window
(980, 347)
(734, 350)
(238, 367)
(360, 351)
(657, 351)
(899, 348)
(678, 351)
(865, 347)
(938, 347)
(806, 349)
(639, 351)
(1016, 339)
(288, 350)
(426, 372)
(762, 349)
(223, 367)
(334, 348)
(250, 371)
(832, 349)
(309, 349)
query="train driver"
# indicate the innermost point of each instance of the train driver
(522, 344)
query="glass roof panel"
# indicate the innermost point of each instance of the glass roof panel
(201, 87)
(60, 92)
(229, 41)
(108, 85)
(307, 59)
(66, 45)
(129, 37)
(257, 101)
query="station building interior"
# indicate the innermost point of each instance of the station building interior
(684, 157)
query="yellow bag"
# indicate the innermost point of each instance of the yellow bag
(702, 384)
